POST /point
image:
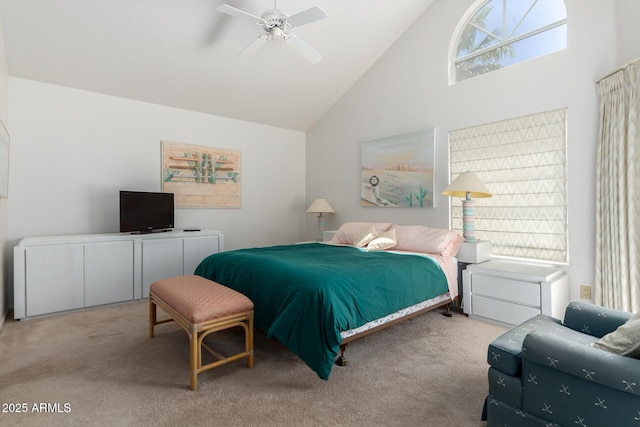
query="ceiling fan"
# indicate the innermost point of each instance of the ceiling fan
(278, 25)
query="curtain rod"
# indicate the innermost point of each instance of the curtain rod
(622, 67)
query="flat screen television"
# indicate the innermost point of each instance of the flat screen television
(145, 212)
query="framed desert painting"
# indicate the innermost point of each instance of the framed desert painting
(201, 176)
(398, 171)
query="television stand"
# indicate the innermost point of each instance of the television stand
(60, 273)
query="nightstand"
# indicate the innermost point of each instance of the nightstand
(471, 253)
(510, 292)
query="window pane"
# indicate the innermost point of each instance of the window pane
(537, 45)
(544, 13)
(515, 11)
(490, 61)
(483, 30)
(504, 32)
(490, 17)
(473, 39)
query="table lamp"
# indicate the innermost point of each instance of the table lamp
(321, 207)
(467, 185)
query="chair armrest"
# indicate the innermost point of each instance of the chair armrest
(583, 361)
(593, 319)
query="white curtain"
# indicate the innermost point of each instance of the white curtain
(617, 275)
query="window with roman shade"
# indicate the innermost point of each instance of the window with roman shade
(523, 163)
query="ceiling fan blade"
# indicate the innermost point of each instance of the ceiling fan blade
(304, 49)
(230, 10)
(254, 45)
(306, 17)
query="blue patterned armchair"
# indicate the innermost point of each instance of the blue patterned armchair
(545, 372)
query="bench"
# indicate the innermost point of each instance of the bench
(202, 307)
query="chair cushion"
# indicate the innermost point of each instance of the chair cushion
(199, 299)
(506, 388)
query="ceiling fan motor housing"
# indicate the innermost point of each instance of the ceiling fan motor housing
(274, 18)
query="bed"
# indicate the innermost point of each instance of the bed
(316, 297)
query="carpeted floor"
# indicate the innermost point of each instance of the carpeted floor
(99, 368)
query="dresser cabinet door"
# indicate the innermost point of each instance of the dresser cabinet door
(160, 258)
(54, 276)
(108, 272)
(196, 249)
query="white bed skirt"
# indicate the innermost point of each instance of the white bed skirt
(397, 315)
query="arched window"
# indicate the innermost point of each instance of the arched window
(499, 33)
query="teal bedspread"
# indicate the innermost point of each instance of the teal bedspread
(306, 294)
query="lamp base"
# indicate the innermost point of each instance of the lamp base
(468, 221)
(321, 225)
(474, 252)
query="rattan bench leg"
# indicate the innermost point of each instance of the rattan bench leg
(195, 357)
(152, 317)
(248, 339)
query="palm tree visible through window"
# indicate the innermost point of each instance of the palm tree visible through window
(504, 32)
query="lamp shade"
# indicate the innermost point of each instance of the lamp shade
(467, 182)
(320, 206)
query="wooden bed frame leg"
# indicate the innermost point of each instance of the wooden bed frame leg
(447, 313)
(341, 360)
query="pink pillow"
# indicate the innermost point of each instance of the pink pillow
(347, 231)
(418, 238)
(454, 246)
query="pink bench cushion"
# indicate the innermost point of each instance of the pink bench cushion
(199, 299)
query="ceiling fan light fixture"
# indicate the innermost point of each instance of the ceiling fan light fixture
(275, 24)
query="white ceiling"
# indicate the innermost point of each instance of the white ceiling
(182, 53)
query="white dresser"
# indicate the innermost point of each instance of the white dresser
(509, 292)
(59, 273)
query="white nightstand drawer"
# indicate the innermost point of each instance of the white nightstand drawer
(516, 291)
(502, 311)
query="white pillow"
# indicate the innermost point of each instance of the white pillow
(386, 240)
(344, 235)
(363, 237)
(624, 341)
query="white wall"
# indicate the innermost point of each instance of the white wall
(72, 151)
(628, 48)
(407, 90)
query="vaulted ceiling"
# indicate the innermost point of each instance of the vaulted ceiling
(183, 53)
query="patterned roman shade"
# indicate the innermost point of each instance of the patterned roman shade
(523, 163)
